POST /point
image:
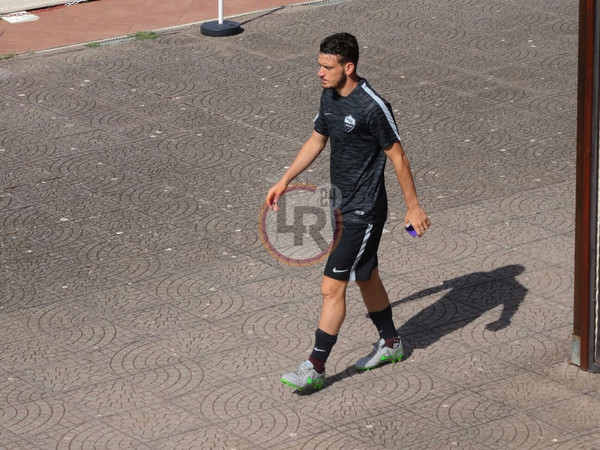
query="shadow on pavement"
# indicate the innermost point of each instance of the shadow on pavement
(260, 16)
(468, 297)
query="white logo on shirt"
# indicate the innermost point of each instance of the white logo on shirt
(349, 122)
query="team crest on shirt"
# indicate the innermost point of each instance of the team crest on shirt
(349, 122)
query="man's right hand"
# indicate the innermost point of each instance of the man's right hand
(274, 193)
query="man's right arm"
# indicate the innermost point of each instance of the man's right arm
(305, 157)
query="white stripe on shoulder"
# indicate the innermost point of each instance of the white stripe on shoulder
(386, 111)
(316, 117)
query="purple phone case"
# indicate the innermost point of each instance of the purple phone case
(410, 230)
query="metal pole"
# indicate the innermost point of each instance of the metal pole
(586, 220)
(220, 12)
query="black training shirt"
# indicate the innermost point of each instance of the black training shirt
(360, 127)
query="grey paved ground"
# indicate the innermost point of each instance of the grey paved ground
(139, 308)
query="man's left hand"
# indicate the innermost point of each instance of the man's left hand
(417, 217)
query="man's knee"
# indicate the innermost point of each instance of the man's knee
(333, 289)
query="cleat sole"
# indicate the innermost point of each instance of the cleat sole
(391, 360)
(314, 386)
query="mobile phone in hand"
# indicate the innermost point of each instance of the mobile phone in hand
(410, 230)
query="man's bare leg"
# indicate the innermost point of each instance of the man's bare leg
(373, 293)
(333, 310)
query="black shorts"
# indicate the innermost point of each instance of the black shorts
(355, 256)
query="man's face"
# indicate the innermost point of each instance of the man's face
(331, 72)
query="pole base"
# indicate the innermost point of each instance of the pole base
(216, 29)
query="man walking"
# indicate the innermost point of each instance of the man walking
(363, 136)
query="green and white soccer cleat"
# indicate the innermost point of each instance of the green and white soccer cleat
(305, 377)
(380, 355)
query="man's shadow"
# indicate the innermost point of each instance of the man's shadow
(468, 297)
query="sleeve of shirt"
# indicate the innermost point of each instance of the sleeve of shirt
(383, 125)
(320, 122)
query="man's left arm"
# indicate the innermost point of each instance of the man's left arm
(415, 215)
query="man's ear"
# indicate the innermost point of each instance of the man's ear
(349, 68)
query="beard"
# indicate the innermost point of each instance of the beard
(339, 83)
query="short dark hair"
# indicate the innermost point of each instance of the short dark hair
(342, 45)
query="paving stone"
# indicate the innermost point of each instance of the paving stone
(587, 442)
(568, 374)
(142, 309)
(475, 367)
(147, 424)
(94, 433)
(525, 392)
(213, 436)
(63, 376)
(37, 420)
(16, 295)
(518, 431)
(575, 414)
(385, 429)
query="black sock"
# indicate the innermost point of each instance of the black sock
(318, 365)
(323, 344)
(384, 323)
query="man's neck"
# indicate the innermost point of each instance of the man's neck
(349, 85)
